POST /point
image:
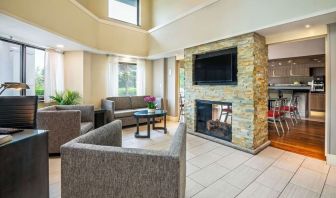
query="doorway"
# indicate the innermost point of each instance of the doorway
(297, 84)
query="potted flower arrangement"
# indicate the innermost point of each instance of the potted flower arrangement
(150, 100)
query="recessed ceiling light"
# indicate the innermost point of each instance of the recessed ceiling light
(60, 46)
(307, 26)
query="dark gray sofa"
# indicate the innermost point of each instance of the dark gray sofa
(94, 165)
(123, 108)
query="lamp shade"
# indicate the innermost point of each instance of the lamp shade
(12, 85)
(15, 85)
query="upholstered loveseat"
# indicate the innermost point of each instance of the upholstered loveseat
(65, 122)
(123, 108)
(95, 165)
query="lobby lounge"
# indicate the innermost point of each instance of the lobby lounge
(167, 98)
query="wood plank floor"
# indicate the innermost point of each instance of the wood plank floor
(306, 138)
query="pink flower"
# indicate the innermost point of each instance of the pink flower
(149, 99)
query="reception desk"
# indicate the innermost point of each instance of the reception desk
(24, 165)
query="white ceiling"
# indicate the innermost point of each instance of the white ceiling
(21, 31)
(297, 48)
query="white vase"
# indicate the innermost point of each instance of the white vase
(151, 110)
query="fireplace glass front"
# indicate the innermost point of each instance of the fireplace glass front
(214, 118)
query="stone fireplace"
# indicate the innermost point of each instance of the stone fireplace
(246, 129)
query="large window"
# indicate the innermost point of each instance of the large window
(10, 65)
(127, 79)
(124, 10)
(22, 63)
(35, 71)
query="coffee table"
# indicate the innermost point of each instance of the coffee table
(149, 116)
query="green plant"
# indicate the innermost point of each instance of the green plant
(66, 98)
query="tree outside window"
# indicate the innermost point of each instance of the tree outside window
(127, 79)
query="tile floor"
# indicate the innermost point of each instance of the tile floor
(214, 170)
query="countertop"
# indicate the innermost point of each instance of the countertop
(290, 87)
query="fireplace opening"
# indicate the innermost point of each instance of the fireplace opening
(214, 118)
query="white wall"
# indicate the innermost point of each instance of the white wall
(227, 18)
(74, 71)
(164, 11)
(297, 48)
(158, 78)
(171, 86)
(331, 94)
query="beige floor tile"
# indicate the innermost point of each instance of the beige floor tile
(204, 160)
(219, 189)
(203, 148)
(289, 161)
(260, 163)
(209, 174)
(329, 191)
(55, 190)
(191, 168)
(331, 179)
(271, 152)
(316, 165)
(258, 190)
(309, 179)
(234, 160)
(189, 155)
(192, 187)
(295, 191)
(223, 150)
(242, 176)
(275, 178)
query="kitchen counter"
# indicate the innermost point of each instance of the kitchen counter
(290, 87)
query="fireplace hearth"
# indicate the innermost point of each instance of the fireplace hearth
(214, 118)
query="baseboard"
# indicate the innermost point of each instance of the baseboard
(252, 151)
(331, 159)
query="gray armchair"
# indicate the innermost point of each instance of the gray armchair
(94, 165)
(64, 122)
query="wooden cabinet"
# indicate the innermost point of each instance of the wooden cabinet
(317, 101)
(299, 70)
(279, 71)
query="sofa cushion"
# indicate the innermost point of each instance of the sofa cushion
(126, 112)
(138, 102)
(86, 127)
(121, 103)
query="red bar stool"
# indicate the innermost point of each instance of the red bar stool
(227, 111)
(275, 115)
(291, 109)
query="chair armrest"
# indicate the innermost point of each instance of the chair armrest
(107, 135)
(87, 111)
(114, 169)
(110, 107)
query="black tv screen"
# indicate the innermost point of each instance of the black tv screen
(216, 68)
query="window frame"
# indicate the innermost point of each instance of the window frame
(138, 15)
(23, 60)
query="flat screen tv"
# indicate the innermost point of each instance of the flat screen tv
(215, 68)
